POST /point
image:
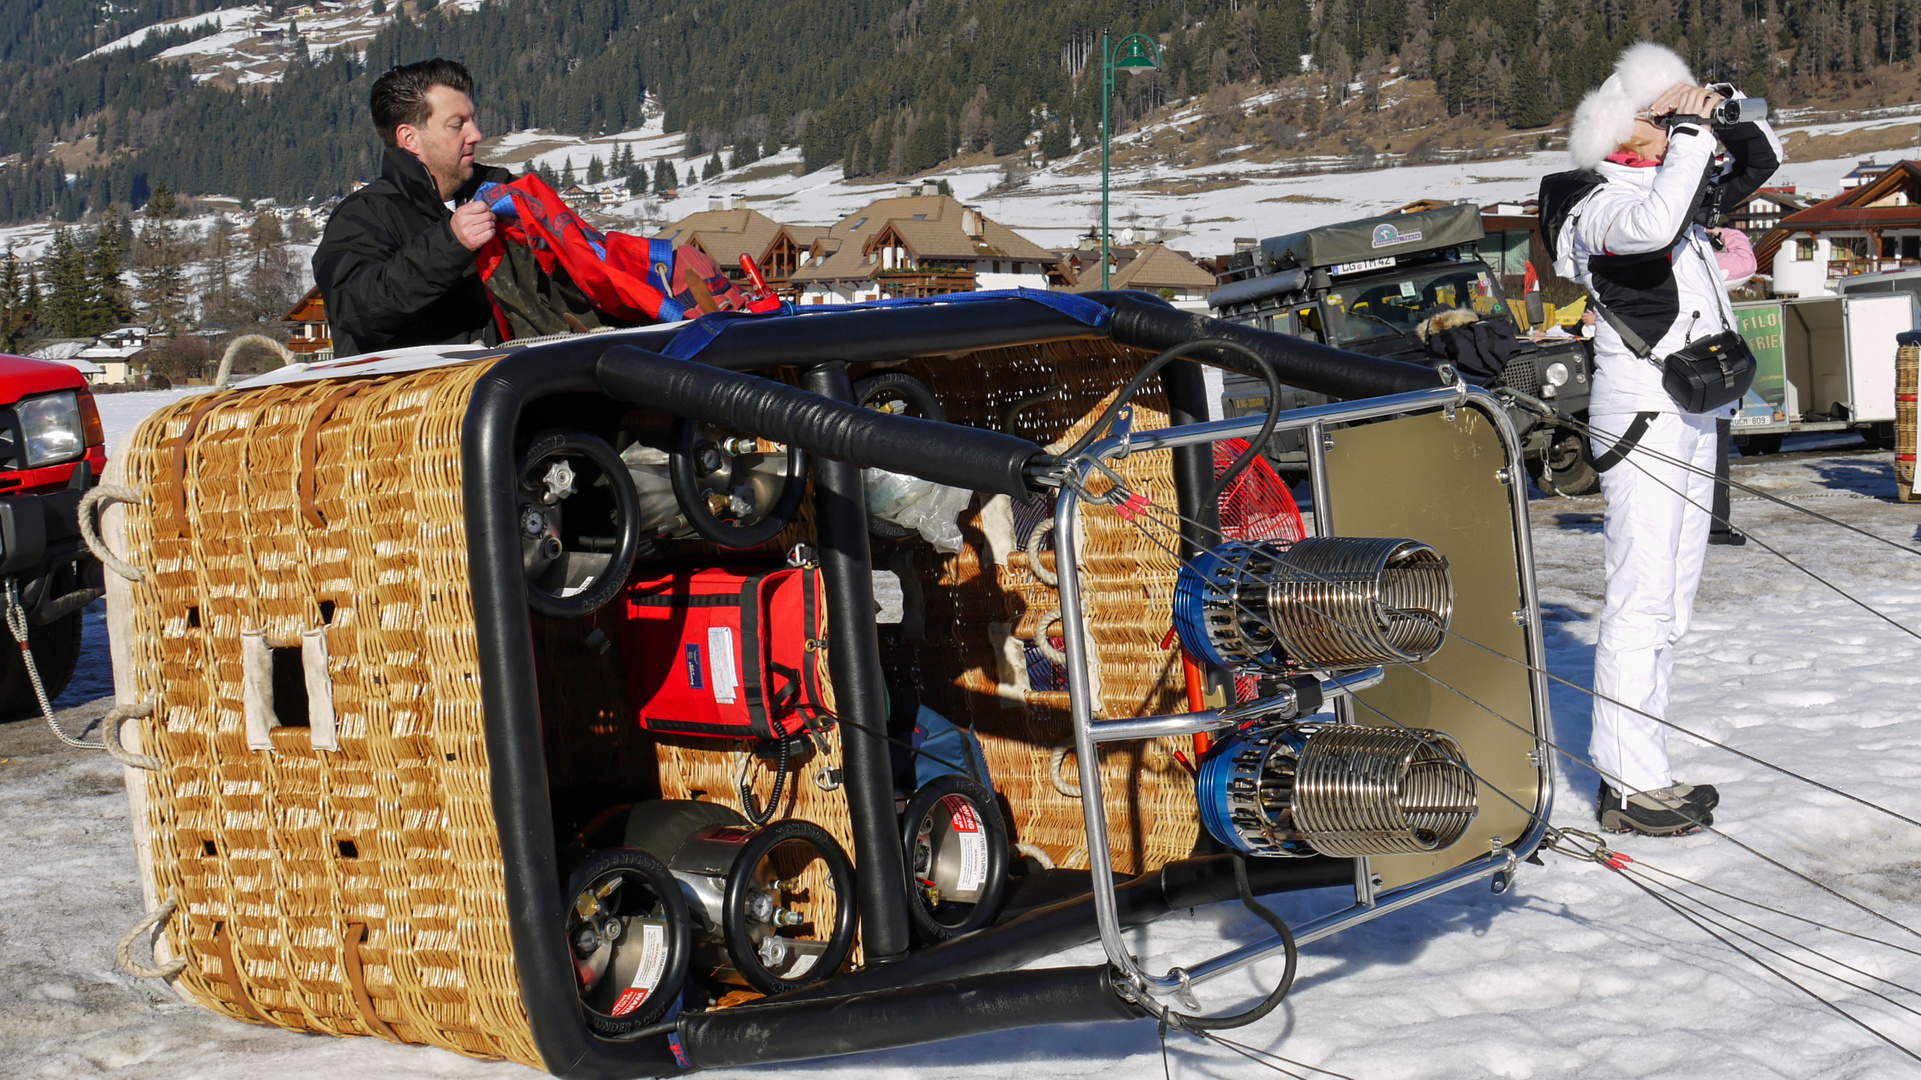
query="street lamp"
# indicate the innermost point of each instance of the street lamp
(1135, 52)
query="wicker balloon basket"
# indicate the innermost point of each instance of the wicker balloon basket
(1907, 379)
(322, 813)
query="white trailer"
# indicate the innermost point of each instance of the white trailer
(1826, 364)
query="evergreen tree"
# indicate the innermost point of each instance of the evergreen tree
(160, 264)
(596, 172)
(1528, 104)
(1056, 141)
(16, 317)
(69, 294)
(713, 167)
(567, 179)
(107, 288)
(665, 178)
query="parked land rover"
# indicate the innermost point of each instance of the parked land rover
(52, 449)
(1366, 285)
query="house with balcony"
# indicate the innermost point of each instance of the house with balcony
(114, 353)
(1763, 210)
(1158, 269)
(727, 229)
(917, 243)
(1871, 227)
(311, 338)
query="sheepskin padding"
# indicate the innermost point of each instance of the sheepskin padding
(1445, 320)
(1646, 71)
(1605, 118)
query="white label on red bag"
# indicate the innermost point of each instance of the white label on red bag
(973, 842)
(720, 655)
(653, 960)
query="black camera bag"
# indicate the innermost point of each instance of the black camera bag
(1708, 373)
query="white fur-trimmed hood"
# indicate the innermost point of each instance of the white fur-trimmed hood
(1605, 118)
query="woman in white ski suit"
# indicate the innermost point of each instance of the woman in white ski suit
(1612, 241)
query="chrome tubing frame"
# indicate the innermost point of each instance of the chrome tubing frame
(1089, 733)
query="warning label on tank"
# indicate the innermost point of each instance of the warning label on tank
(973, 843)
(653, 961)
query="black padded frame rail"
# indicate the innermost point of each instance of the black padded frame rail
(917, 1004)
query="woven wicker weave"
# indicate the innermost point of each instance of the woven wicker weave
(1907, 379)
(337, 504)
(300, 862)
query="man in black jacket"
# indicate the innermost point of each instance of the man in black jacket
(396, 266)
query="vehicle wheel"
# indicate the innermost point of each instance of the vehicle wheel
(56, 652)
(1566, 468)
(1880, 436)
(1760, 445)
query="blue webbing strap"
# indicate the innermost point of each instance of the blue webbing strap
(689, 342)
(660, 274)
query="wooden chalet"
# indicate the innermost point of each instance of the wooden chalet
(1873, 227)
(727, 234)
(918, 243)
(1159, 269)
(310, 332)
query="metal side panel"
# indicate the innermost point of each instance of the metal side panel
(1872, 323)
(1436, 477)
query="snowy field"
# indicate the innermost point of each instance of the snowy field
(1572, 973)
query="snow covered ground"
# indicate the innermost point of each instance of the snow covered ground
(1572, 973)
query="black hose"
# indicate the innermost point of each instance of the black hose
(1178, 352)
(748, 806)
(1273, 1000)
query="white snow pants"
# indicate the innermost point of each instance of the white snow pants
(1656, 531)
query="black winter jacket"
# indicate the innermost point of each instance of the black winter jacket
(390, 270)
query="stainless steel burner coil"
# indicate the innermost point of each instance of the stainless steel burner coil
(1350, 602)
(1381, 791)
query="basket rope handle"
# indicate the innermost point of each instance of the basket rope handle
(92, 505)
(146, 926)
(1041, 573)
(111, 727)
(1054, 763)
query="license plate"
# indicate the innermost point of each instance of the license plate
(1751, 421)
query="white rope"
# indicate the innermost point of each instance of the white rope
(147, 924)
(116, 748)
(1054, 763)
(1041, 573)
(17, 626)
(90, 507)
(1036, 853)
(1041, 640)
(233, 350)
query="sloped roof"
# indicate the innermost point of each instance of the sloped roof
(1155, 267)
(928, 225)
(1853, 209)
(725, 235)
(309, 308)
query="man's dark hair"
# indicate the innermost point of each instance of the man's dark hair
(400, 96)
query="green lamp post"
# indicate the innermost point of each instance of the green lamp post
(1135, 52)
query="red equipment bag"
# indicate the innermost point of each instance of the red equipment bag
(630, 278)
(729, 652)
